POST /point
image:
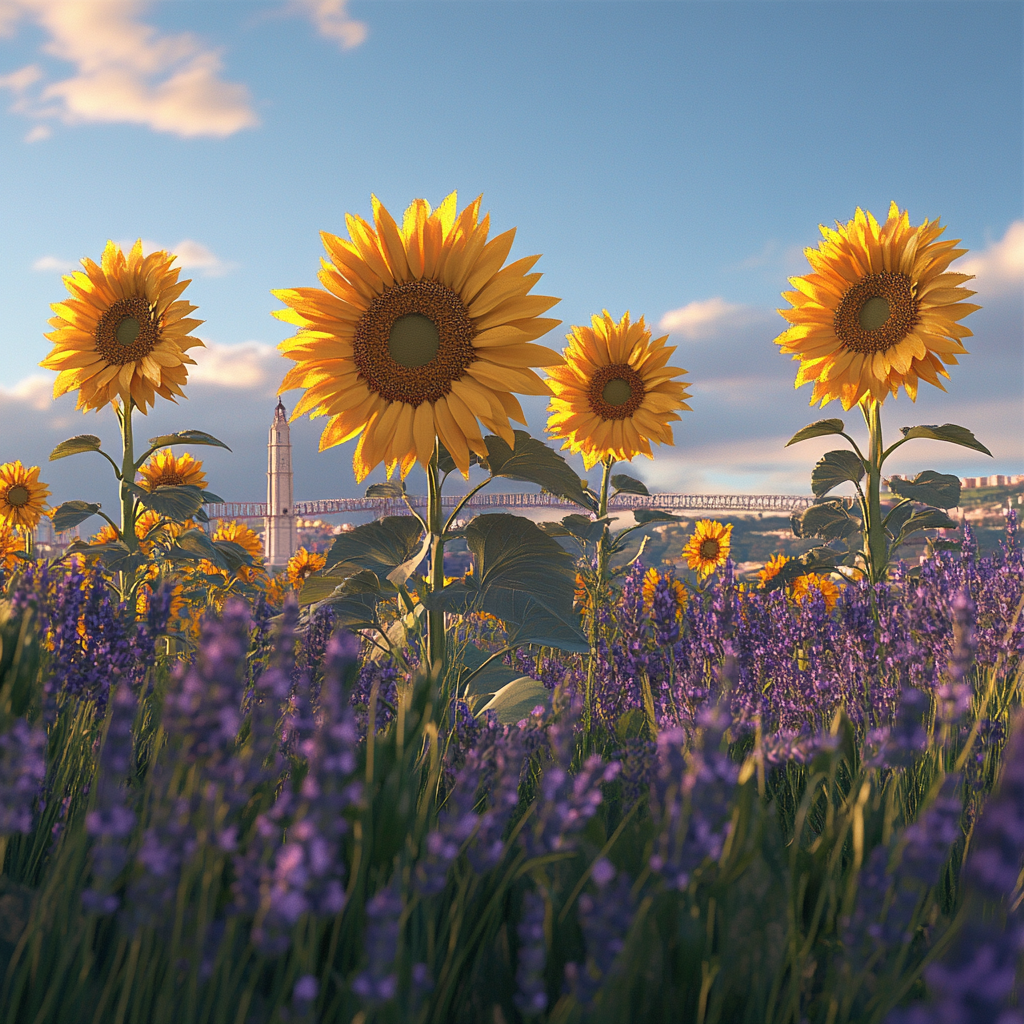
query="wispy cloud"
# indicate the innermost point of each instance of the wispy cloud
(53, 264)
(702, 317)
(1000, 267)
(332, 21)
(251, 364)
(191, 255)
(125, 71)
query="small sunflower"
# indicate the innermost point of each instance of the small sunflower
(106, 534)
(245, 538)
(167, 469)
(772, 569)
(123, 334)
(804, 586)
(615, 394)
(420, 334)
(301, 564)
(11, 544)
(708, 548)
(22, 496)
(879, 312)
(650, 584)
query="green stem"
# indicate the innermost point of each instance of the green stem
(127, 477)
(596, 598)
(874, 534)
(435, 581)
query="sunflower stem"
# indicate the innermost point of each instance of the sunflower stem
(599, 594)
(127, 476)
(874, 534)
(435, 581)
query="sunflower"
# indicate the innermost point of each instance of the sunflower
(419, 334)
(22, 496)
(615, 394)
(708, 548)
(245, 538)
(106, 534)
(11, 546)
(124, 333)
(879, 312)
(804, 586)
(165, 469)
(301, 564)
(772, 569)
(650, 585)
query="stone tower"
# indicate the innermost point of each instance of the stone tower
(281, 537)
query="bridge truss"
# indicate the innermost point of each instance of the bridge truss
(396, 506)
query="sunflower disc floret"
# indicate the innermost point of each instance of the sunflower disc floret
(419, 333)
(881, 310)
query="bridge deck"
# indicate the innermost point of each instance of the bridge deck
(395, 506)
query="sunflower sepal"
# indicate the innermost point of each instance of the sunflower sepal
(949, 432)
(835, 468)
(819, 428)
(70, 514)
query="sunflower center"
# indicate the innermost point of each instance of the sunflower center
(616, 391)
(413, 341)
(18, 496)
(168, 478)
(128, 330)
(709, 548)
(879, 311)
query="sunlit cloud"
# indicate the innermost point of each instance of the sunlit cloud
(703, 317)
(125, 72)
(251, 364)
(53, 264)
(191, 256)
(331, 20)
(1000, 267)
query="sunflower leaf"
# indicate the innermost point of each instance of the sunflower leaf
(947, 432)
(653, 515)
(385, 490)
(829, 521)
(71, 513)
(835, 468)
(514, 701)
(186, 437)
(930, 488)
(583, 528)
(209, 498)
(446, 464)
(628, 485)
(896, 518)
(194, 545)
(382, 545)
(819, 428)
(234, 554)
(401, 573)
(927, 519)
(486, 680)
(533, 461)
(75, 446)
(173, 501)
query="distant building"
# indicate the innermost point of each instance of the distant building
(281, 536)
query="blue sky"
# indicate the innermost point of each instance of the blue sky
(672, 159)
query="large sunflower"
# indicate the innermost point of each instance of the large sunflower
(615, 394)
(708, 548)
(880, 310)
(123, 333)
(420, 333)
(164, 469)
(22, 496)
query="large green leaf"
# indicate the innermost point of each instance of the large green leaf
(583, 528)
(234, 555)
(643, 516)
(209, 498)
(382, 545)
(354, 601)
(399, 576)
(930, 488)
(193, 545)
(186, 437)
(71, 513)
(116, 557)
(928, 519)
(835, 468)
(485, 680)
(341, 585)
(75, 446)
(533, 461)
(390, 489)
(819, 428)
(628, 485)
(515, 700)
(947, 432)
(173, 501)
(514, 553)
(897, 517)
(830, 521)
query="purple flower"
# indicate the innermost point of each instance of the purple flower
(531, 988)
(22, 770)
(378, 981)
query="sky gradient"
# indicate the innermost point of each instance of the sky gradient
(672, 159)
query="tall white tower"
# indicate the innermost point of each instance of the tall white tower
(281, 537)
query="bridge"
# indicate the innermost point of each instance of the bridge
(525, 500)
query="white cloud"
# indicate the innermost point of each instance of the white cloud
(53, 264)
(1000, 267)
(35, 391)
(249, 365)
(700, 318)
(126, 71)
(332, 21)
(38, 133)
(191, 255)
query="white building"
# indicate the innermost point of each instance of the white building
(281, 536)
